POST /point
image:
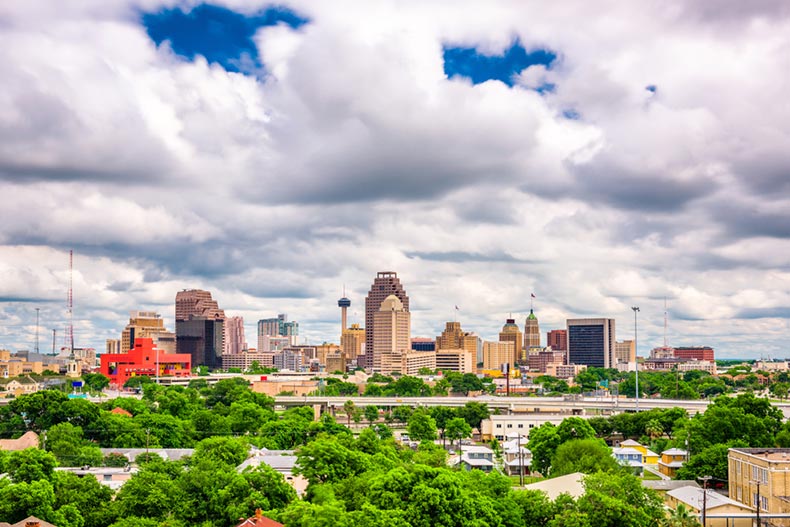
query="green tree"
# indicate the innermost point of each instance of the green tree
(711, 461)
(150, 493)
(457, 429)
(91, 498)
(96, 382)
(327, 460)
(619, 500)
(371, 413)
(575, 428)
(422, 426)
(223, 450)
(474, 413)
(30, 465)
(583, 455)
(543, 443)
(681, 517)
(349, 407)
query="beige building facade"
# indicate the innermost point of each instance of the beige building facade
(352, 341)
(495, 354)
(391, 336)
(459, 360)
(770, 467)
(511, 333)
(147, 324)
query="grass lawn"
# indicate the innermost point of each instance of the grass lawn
(650, 476)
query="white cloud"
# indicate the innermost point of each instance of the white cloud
(355, 154)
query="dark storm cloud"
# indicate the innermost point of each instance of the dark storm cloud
(607, 181)
(766, 171)
(767, 312)
(742, 220)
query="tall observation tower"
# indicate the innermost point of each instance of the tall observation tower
(344, 303)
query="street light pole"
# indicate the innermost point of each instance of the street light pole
(636, 359)
(705, 480)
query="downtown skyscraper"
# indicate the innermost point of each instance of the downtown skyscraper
(385, 284)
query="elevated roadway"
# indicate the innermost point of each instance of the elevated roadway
(570, 405)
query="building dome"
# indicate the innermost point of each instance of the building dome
(531, 316)
(344, 302)
(391, 303)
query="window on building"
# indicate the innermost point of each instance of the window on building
(764, 503)
(510, 426)
(738, 467)
(739, 494)
(754, 472)
(764, 475)
(521, 425)
(499, 425)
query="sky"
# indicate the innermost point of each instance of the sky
(599, 155)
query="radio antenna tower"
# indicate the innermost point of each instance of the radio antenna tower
(70, 306)
(37, 313)
(665, 321)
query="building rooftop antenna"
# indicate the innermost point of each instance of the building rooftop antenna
(70, 306)
(37, 316)
(665, 321)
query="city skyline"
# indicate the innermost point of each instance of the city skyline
(484, 151)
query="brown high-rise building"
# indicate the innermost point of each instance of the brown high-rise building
(147, 324)
(200, 327)
(197, 302)
(694, 352)
(385, 284)
(391, 336)
(557, 339)
(531, 332)
(453, 338)
(511, 333)
(234, 336)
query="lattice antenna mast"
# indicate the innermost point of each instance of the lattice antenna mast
(37, 314)
(665, 322)
(70, 305)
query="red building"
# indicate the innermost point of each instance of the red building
(143, 360)
(557, 339)
(695, 352)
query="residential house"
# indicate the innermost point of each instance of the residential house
(259, 520)
(717, 506)
(283, 461)
(30, 521)
(629, 457)
(648, 456)
(475, 457)
(516, 456)
(571, 484)
(671, 460)
(113, 477)
(27, 440)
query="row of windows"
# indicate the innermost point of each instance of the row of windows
(510, 425)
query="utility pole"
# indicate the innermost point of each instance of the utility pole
(705, 480)
(759, 523)
(520, 463)
(636, 358)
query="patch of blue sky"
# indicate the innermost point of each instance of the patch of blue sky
(217, 33)
(479, 67)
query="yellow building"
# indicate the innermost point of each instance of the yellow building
(322, 351)
(648, 456)
(768, 467)
(671, 460)
(11, 366)
(495, 354)
(625, 352)
(715, 505)
(511, 333)
(531, 332)
(352, 341)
